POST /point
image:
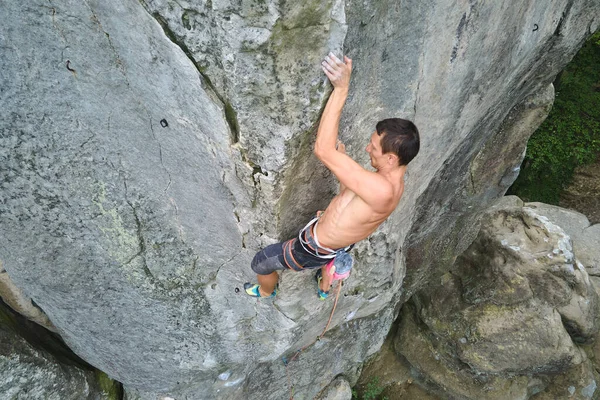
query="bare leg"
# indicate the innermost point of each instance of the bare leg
(267, 283)
(325, 280)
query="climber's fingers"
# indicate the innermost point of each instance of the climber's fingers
(326, 65)
(335, 59)
(334, 62)
(337, 70)
(329, 74)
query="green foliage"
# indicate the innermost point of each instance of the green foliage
(570, 136)
(371, 392)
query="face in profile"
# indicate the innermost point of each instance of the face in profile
(374, 150)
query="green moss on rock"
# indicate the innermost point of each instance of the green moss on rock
(110, 388)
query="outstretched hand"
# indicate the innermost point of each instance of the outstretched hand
(337, 71)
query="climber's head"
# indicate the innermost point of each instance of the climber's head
(398, 137)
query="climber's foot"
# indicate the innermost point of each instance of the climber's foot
(321, 293)
(254, 291)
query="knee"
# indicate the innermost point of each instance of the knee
(262, 264)
(256, 261)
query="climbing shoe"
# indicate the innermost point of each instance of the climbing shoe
(318, 277)
(253, 290)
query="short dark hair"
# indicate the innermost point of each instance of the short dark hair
(400, 136)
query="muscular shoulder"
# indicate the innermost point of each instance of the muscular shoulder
(383, 194)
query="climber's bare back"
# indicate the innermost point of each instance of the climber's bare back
(349, 219)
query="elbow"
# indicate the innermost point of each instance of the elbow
(322, 150)
(321, 154)
(318, 151)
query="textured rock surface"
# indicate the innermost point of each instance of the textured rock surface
(392, 373)
(149, 149)
(509, 314)
(338, 389)
(14, 297)
(578, 383)
(27, 372)
(585, 237)
(385, 367)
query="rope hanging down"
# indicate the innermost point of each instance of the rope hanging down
(287, 363)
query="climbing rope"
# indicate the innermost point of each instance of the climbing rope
(337, 296)
(287, 363)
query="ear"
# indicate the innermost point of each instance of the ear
(392, 159)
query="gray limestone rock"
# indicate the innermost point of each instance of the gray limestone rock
(572, 222)
(587, 245)
(509, 313)
(385, 367)
(27, 372)
(338, 389)
(585, 237)
(14, 297)
(137, 218)
(306, 370)
(431, 361)
(150, 148)
(392, 373)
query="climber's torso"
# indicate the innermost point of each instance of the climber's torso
(349, 219)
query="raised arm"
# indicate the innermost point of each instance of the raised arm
(338, 73)
(371, 187)
(341, 147)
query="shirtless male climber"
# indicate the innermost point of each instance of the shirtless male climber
(365, 200)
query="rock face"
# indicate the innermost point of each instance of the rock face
(338, 389)
(511, 313)
(27, 372)
(14, 297)
(148, 149)
(583, 234)
(392, 374)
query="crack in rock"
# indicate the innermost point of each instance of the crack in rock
(141, 243)
(230, 115)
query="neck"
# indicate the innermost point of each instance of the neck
(392, 172)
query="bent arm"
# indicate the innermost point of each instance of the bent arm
(341, 147)
(327, 134)
(369, 186)
(338, 73)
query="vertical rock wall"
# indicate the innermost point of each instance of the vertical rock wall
(148, 149)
